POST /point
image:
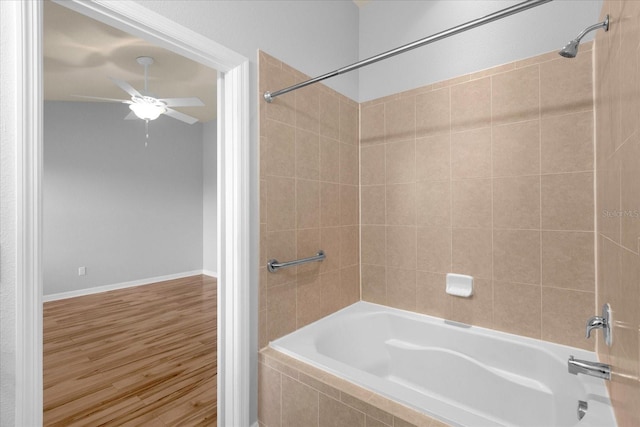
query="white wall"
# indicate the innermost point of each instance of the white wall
(385, 25)
(123, 211)
(209, 198)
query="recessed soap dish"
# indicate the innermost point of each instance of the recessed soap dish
(459, 285)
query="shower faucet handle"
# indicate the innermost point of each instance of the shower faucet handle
(601, 322)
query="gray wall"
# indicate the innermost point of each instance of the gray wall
(387, 24)
(123, 211)
(209, 198)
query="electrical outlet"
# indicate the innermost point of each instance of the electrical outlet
(82, 271)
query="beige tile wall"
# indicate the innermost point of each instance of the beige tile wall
(492, 175)
(618, 199)
(309, 200)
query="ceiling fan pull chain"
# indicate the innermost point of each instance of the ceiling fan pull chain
(146, 129)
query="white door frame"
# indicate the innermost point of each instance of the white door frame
(234, 260)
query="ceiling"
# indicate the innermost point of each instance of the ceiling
(80, 54)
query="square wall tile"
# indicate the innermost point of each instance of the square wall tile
(516, 149)
(630, 194)
(516, 202)
(471, 154)
(516, 256)
(329, 204)
(567, 201)
(434, 249)
(307, 155)
(471, 252)
(334, 413)
(431, 297)
(329, 160)
(568, 260)
(307, 244)
(567, 143)
(281, 203)
(281, 148)
(349, 113)
(308, 108)
(349, 205)
(374, 283)
(299, 404)
(564, 312)
(608, 199)
(373, 206)
(372, 165)
(308, 300)
(401, 204)
(400, 119)
(433, 203)
(476, 310)
(349, 285)
(566, 86)
(401, 288)
(330, 244)
(307, 203)
(516, 309)
(400, 162)
(515, 95)
(471, 203)
(373, 238)
(329, 115)
(280, 245)
(281, 310)
(433, 113)
(349, 164)
(372, 124)
(269, 388)
(433, 158)
(285, 109)
(401, 247)
(349, 246)
(471, 105)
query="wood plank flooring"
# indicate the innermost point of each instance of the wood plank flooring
(138, 356)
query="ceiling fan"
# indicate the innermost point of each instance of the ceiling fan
(147, 107)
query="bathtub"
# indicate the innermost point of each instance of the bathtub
(461, 375)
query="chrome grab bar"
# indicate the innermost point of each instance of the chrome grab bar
(273, 265)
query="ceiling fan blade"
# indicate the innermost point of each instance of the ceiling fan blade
(131, 116)
(102, 99)
(126, 87)
(180, 116)
(182, 102)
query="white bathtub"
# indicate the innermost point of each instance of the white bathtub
(461, 375)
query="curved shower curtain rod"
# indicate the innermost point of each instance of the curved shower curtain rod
(520, 7)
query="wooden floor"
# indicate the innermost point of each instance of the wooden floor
(138, 356)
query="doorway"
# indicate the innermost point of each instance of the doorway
(235, 212)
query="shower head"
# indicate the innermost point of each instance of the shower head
(571, 48)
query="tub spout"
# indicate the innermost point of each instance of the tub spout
(594, 369)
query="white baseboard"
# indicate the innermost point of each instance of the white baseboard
(123, 285)
(210, 273)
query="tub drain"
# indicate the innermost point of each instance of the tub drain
(582, 409)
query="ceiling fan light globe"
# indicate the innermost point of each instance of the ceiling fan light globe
(147, 111)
